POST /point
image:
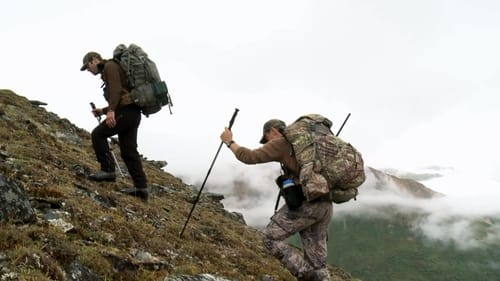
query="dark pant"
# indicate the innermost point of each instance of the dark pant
(128, 119)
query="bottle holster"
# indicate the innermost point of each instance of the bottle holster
(293, 194)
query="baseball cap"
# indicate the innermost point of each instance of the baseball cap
(88, 57)
(273, 123)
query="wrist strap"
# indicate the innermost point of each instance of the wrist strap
(229, 143)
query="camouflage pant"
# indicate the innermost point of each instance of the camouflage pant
(311, 222)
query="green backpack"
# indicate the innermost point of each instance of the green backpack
(146, 87)
(329, 167)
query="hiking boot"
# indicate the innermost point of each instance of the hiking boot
(137, 192)
(102, 176)
(316, 275)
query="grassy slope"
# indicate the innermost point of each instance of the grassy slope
(43, 163)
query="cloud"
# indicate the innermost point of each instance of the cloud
(466, 221)
(464, 232)
(248, 189)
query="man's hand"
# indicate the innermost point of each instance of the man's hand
(226, 135)
(110, 119)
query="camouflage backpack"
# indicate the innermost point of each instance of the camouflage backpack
(147, 89)
(329, 167)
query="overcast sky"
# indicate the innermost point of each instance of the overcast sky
(420, 78)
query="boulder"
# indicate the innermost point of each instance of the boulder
(14, 203)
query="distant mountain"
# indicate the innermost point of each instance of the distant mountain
(433, 172)
(385, 181)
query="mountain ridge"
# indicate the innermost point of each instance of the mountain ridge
(75, 229)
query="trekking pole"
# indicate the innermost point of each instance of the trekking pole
(109, 144)
(277, 201)
(348, 115)
(208, 173)
(170, 104)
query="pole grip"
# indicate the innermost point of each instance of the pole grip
(93, 108)
(232, 118)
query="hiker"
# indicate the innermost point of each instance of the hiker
(310, 219)
(123, 117)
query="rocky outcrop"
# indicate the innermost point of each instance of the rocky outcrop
(14, 203)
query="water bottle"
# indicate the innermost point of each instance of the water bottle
(288, 183)
(293, 194)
